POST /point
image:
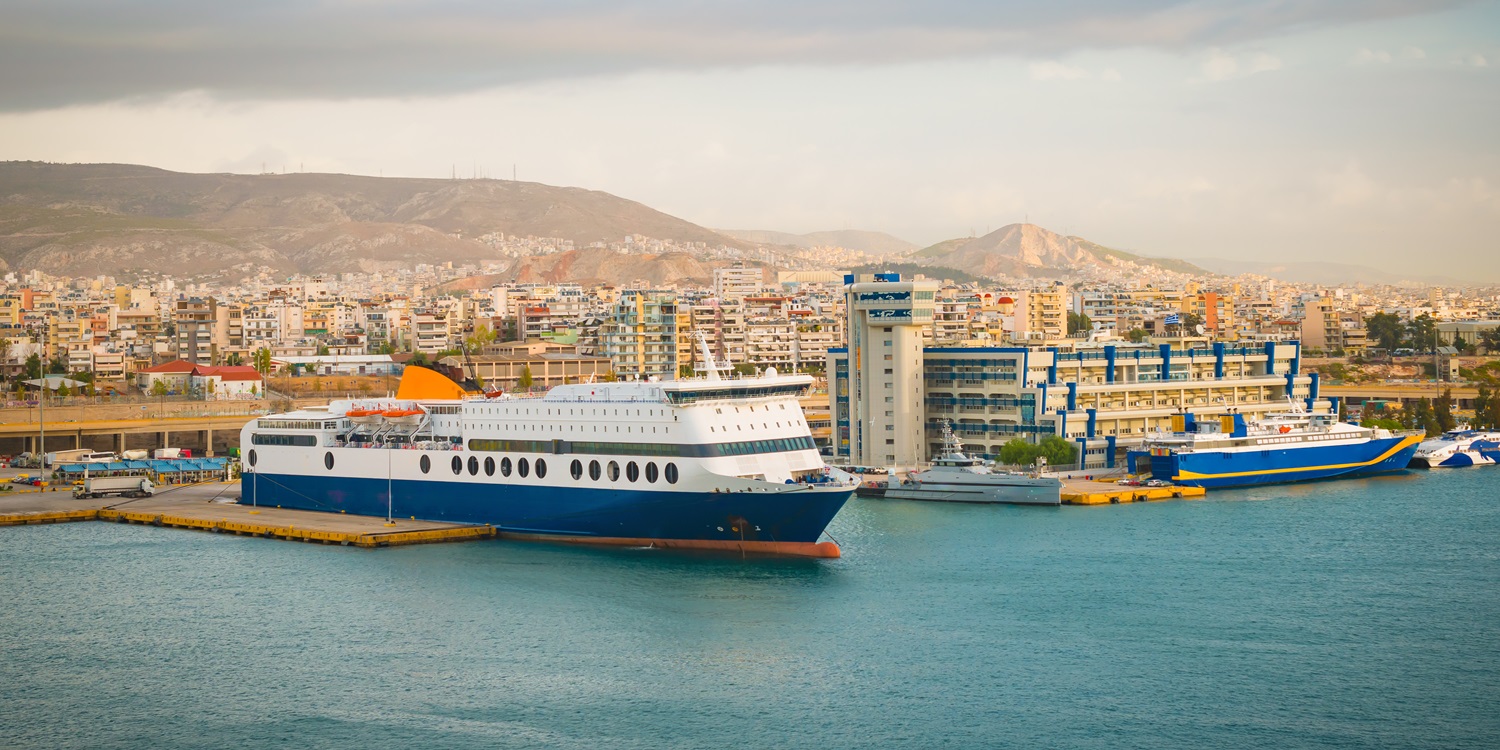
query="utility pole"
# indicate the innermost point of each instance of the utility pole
(41, 411)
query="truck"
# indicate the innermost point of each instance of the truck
(167, 453)
(136, 455)
(131, 486)
(78, 456)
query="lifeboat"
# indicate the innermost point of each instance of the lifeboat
(403, 416)
(365, 416)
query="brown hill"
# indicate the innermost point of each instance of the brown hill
(598, 265)
(1021, 250)
(111, 218)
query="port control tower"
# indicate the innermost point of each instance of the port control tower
(886, 384)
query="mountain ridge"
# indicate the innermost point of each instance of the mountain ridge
(87, 219)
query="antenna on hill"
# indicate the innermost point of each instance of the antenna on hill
(512, 172)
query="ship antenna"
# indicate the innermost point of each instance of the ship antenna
(711, 366)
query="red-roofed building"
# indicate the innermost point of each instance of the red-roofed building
(176, 375)
(214, 383)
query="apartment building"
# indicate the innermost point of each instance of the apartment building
(646, 334)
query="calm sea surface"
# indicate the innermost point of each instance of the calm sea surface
(1348, 614)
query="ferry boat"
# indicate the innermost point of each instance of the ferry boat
(1290, 446)
(1463, 447)
(957, 477)
(712, 463)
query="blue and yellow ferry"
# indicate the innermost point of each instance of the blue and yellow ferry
(1291, 446)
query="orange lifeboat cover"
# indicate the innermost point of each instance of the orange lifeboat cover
(422, 384)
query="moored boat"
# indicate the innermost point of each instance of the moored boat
(1457, 448)
(957, 477)
(1290, 446)
(711, 463)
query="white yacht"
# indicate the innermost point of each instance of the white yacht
(1461, 447)
(957, 477)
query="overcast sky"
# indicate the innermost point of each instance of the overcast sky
(1359, 131)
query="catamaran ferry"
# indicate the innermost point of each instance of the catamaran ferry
(711, 463)
(1290, 446)
(1462, 447)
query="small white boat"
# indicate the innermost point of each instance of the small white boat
(957, 477)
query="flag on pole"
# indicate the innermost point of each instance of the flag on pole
(1174, 319)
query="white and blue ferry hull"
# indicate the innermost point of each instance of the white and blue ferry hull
(699, 511)
(1250, 467)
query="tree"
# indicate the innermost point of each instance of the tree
(1058, 451)
(261, 360)
(4, 349)
(1191, 321)
(1424, 419)
(159, 390)
(419, 359)
(1481, 406)
(385, 348)
(1386, 330)
(33, 367)
(1017, 452)
(524, 382)
(63, 391)
(322, 350)
(1442, 412)
(1136, 335)
(234, 360)
(1422, 332)
(58, 366)
(482, 336)
(1079, 322)
(1460, 344)
(1490, 340)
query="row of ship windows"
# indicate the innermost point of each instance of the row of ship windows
(502, 411)
(523, 467)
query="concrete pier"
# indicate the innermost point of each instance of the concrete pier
(1087, 492)
(200, 508)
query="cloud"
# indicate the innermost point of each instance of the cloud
(1371, 57)
(1262, 63)
(1055, 71)
(1413, 53)
(68, 52)
(1222, 66)
(1477, 61)
(1219, 66)
(1110, 74)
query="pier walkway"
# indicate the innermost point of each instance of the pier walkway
(1087, 492)
(202, 508)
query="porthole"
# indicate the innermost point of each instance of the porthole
(671, 473)
(541, 468)
(458, 465)
(651, 471)
(614, 471)
(632, 472)
(505, 466)
(328, 460)
(489, 466)
(252, 457)
(576, 469)
(473, 465)
(523, 467)
(594, 470)
(426, 464)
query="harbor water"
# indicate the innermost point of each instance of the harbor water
(1355, 614)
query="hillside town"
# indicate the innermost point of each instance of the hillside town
(101, 335)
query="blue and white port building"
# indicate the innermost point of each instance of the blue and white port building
(890, 391)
